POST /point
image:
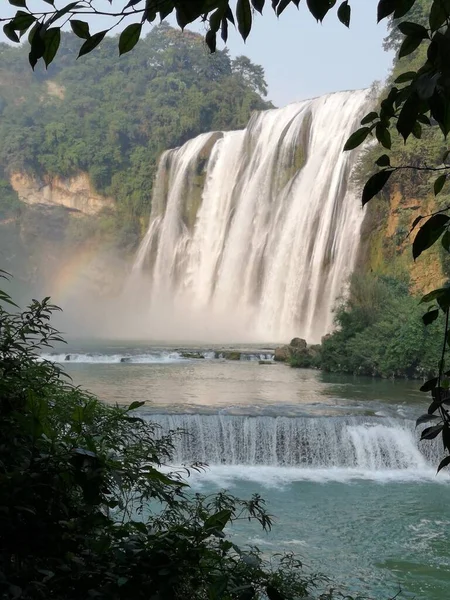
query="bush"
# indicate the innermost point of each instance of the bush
(380, 332)
(85, 509)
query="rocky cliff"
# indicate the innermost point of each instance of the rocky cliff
(75, 193)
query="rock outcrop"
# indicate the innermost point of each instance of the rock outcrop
(298, 354)
(75, 193)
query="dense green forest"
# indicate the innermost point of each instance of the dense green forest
(113, 117)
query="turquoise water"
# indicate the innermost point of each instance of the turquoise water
(375, 519)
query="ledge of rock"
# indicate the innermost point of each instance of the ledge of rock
(75, 192)
(298, 354)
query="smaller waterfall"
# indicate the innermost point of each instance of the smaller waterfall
(254, 233)
(363, 443)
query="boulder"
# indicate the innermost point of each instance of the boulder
(282, 354)
(298, 343)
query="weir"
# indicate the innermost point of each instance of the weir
(353, 442)
(254, 233)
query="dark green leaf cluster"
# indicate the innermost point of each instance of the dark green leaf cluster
(86, 510)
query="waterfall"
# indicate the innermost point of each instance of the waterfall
(254, 233)
(365, 443)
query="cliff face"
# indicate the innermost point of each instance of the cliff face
(386, 241)
(75, 193)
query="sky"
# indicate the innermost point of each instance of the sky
(302, 59)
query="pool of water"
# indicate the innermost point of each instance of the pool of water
(375, 520)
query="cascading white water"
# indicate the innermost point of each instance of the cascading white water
(366, 443)
(254, 233)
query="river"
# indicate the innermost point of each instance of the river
(336, 458)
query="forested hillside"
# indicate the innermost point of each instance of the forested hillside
(112, 118)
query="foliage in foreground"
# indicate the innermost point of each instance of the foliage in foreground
(87, 512)
(380, 332)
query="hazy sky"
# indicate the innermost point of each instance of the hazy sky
(302, 58)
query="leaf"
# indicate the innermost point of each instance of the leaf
(409, 45)
(383, 136)
(274, 594)
(22, 21)
(429, 233)
(218, 520)
(441, 295)
(129, 37)
(444, 463)
(319, 8)
(244, 17)
(431, 432)
(258, 5)
(281, 6)
(357, 138)
(437, 15)
(211, 40)
(439, 184)
(384, 9)
(52, 40)
(428, 318)
(91, 43)
(413, 30)
(426, 419)
(405, 77)
(19, 3)
(402, 7)
(134, 405)
(383, 161)
(369, 118)
(408, 116)
(375, 184)
(446, 241)
(10, 33)
(415, 222)
(80, 29)
(344, 13)
(429, 385)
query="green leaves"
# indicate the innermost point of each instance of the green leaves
(375, 184)
(344, 13)
(319, 8)
(431, 432)
(439, 184)
(218, 520)
(52, 39)
(383, 161)
(444, 463)
(129, 37)
(244, 17)
(91, 43)
(357, 138)
(429, 233)
(428, 318)
(80, 28)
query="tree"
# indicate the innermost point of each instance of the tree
(416, 100)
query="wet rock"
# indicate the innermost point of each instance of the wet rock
(298, 343)
(282, 354)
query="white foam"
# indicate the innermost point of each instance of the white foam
(224, 476)
(96, 358)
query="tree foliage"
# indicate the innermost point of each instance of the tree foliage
(86, 509)
(380, 332)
